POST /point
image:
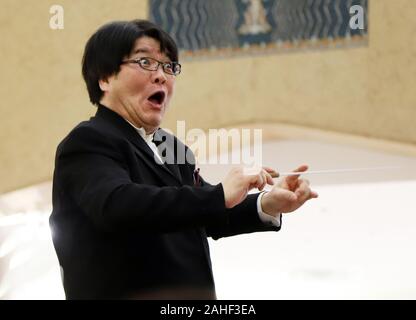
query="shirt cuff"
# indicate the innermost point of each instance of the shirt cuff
(264, 217)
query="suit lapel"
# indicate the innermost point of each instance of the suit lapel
(169, 148)
(169, 173)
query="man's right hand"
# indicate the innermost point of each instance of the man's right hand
(239, 182)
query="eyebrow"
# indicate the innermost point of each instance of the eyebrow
(141, 50)
(144, 50)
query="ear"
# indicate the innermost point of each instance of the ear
(104, 84)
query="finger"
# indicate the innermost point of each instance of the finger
(256, 181)
(293, 180)
(272, 172)
(303, 192)
(268, 169)
(314, 194)
(300, 169)
(303, 195)
(302, 184)
(306, 183)
(251, 182)
(263, 181)
(268, 177)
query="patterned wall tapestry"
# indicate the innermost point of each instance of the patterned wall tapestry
(204, 28)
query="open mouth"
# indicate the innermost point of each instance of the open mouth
(157, 97)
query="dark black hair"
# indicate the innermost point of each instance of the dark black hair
(111, 43)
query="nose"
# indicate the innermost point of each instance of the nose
(159, 76)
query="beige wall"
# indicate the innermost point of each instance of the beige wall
(41, 84)
(365, 91)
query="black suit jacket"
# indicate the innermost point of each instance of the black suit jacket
(124, 226)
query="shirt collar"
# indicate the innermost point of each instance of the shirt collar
(147, 137)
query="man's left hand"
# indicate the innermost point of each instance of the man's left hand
(288, 195)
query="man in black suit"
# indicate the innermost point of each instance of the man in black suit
(125, 223)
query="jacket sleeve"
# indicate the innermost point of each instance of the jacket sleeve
(243, 218)
(91, 171)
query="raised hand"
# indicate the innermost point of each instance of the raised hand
(239, 181)
(288, 195)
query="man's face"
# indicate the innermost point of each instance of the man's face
(138, 95)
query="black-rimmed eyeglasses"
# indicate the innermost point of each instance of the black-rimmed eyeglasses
(173, 68)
